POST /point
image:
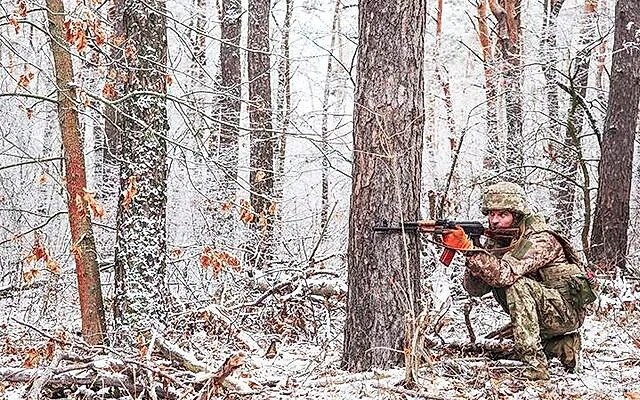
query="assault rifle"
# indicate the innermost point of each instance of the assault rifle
(473, 229)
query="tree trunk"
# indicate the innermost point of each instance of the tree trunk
(570, 148)
(261, 136)
(507, 13)
(493, 138)
(284, 107)
(230, 74)
(383, 276)
(324, 143)
(549, 57)
(141, 222)
(609, 236)
(83, 245)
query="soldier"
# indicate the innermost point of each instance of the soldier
(536, 277)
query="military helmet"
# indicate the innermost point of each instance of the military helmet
(504, 196)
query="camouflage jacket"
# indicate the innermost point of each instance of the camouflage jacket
(537, 248)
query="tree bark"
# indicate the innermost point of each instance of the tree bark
(570, 149)
(230, 75)
(493, 138)
(383, 278)
(507, 13)
(284, 107)
(83, 244)
(609, 236)
(141, 222)
(261, 132)
(324, 143)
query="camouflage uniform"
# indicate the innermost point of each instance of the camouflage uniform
(529, 279)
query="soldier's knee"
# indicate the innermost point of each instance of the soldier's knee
(521, 286)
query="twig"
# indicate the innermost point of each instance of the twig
(407, 392)
(9, 291)
(467, 320)
(505, 332)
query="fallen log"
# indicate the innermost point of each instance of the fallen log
(92, 379)
(492, 350)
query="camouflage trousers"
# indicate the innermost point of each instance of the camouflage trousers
(541, 317)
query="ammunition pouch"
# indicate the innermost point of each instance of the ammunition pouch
(581, 291)
(572, 283)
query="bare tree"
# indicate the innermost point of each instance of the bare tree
(568, 156)
(324, 143)
(141, 221)
(609, 235)
(284, 108)
(83, 244)
(383, 277)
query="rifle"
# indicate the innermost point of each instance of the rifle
(473, 229)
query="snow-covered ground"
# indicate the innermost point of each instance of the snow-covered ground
(306, 360)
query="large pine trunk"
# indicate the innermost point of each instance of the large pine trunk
(609, 236)
(83, 244)
(141, 222)
(262, 136)
(383, 274)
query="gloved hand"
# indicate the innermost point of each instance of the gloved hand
(457, 239)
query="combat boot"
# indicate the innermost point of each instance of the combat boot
(567, 349)
(535, 374)
(535, 366)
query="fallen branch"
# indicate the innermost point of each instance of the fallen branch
(467, 320)
(506, 332)
(412, 393)
(243, 336)
(340, 379)
(495, 351)
(89, 378)
(175, 353)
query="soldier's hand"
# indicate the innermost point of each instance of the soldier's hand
(456, 239)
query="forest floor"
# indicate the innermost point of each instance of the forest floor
(288, 358)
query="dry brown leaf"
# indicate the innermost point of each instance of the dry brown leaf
(176, 252)
(273, 208)
(14, 21)
(30, 275)
(32, 358)
(95, 207)
(25, 79)
(108, 92)
(53, 266)
(225, 207)
(130, 193)
(21, 8)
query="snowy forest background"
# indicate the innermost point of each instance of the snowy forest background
(285, 314)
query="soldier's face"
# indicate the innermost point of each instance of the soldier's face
(500, 219)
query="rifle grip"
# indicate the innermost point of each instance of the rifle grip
(447, 256)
